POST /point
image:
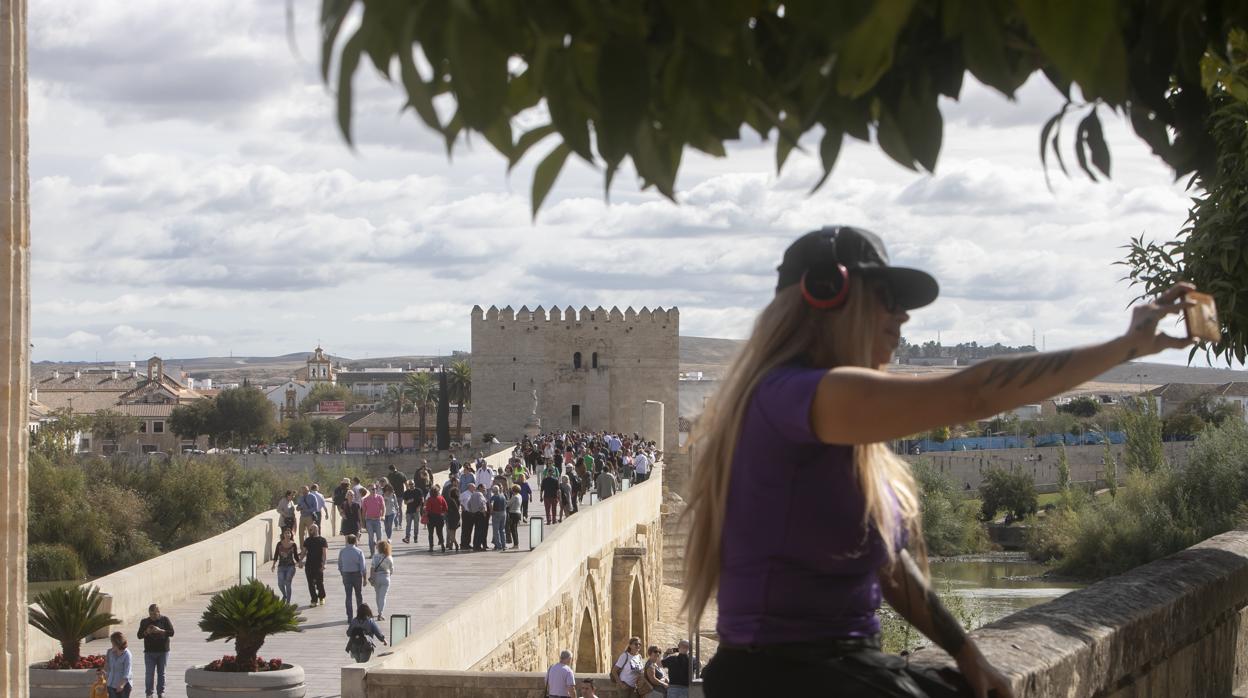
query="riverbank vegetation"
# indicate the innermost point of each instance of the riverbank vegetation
(950, 525)
(1156, 509)
(96, 515)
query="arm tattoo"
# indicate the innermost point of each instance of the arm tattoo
(1132, 353)
(1030, 368)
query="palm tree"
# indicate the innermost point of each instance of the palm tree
(459, 385)
(395, 399)
(422, 390)
(247, 614)
(68, 614)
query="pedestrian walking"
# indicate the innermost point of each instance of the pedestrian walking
(359, 629)
(413, 504)
(513, 517)
(526, 493)
(350, 516)
(373, 508)
(380, 569)
(565, 497)
(436, 510)
(315, 552)
(605, 484)
(550, 497)
(393, 512)
(477, 507)
(155, 630)
(629, 668)
(454, 515)
(118, 665)
(352, 565)
(286, 510)
(396, 479)
(498, 519)
(285, 560)
(560, 680)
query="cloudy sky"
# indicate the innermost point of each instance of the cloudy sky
(192, 197)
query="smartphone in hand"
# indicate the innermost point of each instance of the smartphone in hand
(1202, 318)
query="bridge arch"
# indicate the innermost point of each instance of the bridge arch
(629, 615)
(588, 655)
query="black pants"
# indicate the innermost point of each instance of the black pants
(467, 524)
(482, 530)
(810, 670)
(435, 526)
(513, 529)
(316, 581)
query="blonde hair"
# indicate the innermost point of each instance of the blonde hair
(384, 547)
(790, 331)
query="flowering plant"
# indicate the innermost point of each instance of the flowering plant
(232, 663)
(94, 661)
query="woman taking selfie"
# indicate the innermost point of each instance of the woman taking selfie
(805, 413)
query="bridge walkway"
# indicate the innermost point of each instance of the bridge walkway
(424, 585)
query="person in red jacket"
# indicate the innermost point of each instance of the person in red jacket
(435, 511)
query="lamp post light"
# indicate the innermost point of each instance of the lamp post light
(593, 498)
(400, 627)
(246, 566)
(535, 532)
(625, 484)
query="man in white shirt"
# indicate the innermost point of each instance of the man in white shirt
(485, 477)
(641, 467)
(560, 681)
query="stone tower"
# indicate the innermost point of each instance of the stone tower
(593, 370)
(320, 368)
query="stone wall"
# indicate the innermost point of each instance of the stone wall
(468, 684)
(967, 467)
(605, 569)
(1174, 627)
(515, 353)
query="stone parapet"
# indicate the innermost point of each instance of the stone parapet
(1174, 627)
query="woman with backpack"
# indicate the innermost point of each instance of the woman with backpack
(359, 630)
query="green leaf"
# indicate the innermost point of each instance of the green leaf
(1096, 143)
(546, 173)
(333, 14)
(419, 95)
(623, 77)
(346, 70)
(1084, 41)
(479, 70)
(892, 141)
(829, 150)
(527, 140)
(867, 52)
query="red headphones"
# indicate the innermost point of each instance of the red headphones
(836, 301)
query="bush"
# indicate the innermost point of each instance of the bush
(53, 562)
(68, 614)
(248, 614)
(949, 523)
(1012, 492)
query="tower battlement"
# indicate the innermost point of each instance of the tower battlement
(540, 315)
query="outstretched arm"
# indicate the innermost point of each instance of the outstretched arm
(861, 405)
(910, 595)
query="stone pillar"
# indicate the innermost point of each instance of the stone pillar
(14, 346)
(652, 423)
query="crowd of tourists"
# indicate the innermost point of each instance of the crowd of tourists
(655, 674)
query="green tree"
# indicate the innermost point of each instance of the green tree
(1143, 432)
(1063, 470)
(68, 614)
(949, 524)
(1111, 470)
(111, 425)
(192, 420)
(248, 614)
(939, 434)
(329, 434)
(396, 400)
(241, 416)
(1083, 406)
(300, 435)
(1004, 490)
(56, 435)
(459, 385)
(422, 388)
(326, 392)
(1182, 425)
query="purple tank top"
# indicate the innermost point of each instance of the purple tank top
(797, 562)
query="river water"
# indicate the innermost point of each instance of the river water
(996, 585)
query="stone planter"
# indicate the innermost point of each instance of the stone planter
(60, 683)
(286, 682)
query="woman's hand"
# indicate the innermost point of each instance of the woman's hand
(985, 680)
(1143, 337)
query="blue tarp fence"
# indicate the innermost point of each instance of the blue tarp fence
(984, 443)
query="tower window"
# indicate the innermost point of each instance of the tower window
(593, 360)
(576, 360)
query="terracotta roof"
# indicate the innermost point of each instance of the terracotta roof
(1181, 392)
(385, 420)
(145, 410)
(82, 402)
(372, 377)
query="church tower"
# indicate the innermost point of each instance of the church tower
(320, 368)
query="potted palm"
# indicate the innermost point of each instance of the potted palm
(67, 615)
(247, 614)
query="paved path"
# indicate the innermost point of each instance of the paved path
(424, 585)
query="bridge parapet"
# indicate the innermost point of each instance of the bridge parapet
(595, 577)
(1174, 627)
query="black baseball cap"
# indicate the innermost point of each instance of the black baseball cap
(818, 253)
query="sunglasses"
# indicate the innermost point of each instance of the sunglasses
(884, 293)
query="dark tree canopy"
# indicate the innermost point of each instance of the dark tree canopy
(611, 80)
